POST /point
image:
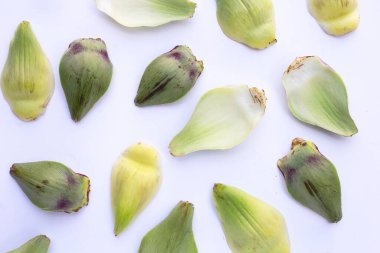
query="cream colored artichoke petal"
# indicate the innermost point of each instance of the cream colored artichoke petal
(223, 118)
(336, 17)
(137, 13)
(134, 182)
(317, 96)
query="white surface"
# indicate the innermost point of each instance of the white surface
(92, 146)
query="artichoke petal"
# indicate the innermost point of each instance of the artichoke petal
(52, 186)
(27, 80)
(249, 224)
(312, 179)
(86, 72)
(250, 22)
(317, 96)
(336, 17)
(223, 118)
(137, 13)
(174, 234)
(169, 77)
(39, 244)
(134, 182)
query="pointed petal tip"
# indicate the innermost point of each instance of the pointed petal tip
(200, 66)
(24, 25)
(137, 102)
(175, 149)
(185, 204)
(280, 166)
(76, 119)
(45, 237)
(336, 218)
(261, 46)
(354, 130)
(13, 169)
(218, 187)
(297, 141)
(118, 228)
(173, 153)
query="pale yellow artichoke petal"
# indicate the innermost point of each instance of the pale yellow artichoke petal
(134, 182)
(336, 17)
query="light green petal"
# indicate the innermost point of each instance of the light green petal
(250, 22)
(317, 95)
(27, 81)
(39, 244)
(336, 17)
(223, 118)
(249, 224)
(174, 234)
(137, 13)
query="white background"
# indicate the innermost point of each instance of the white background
(92, 146)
